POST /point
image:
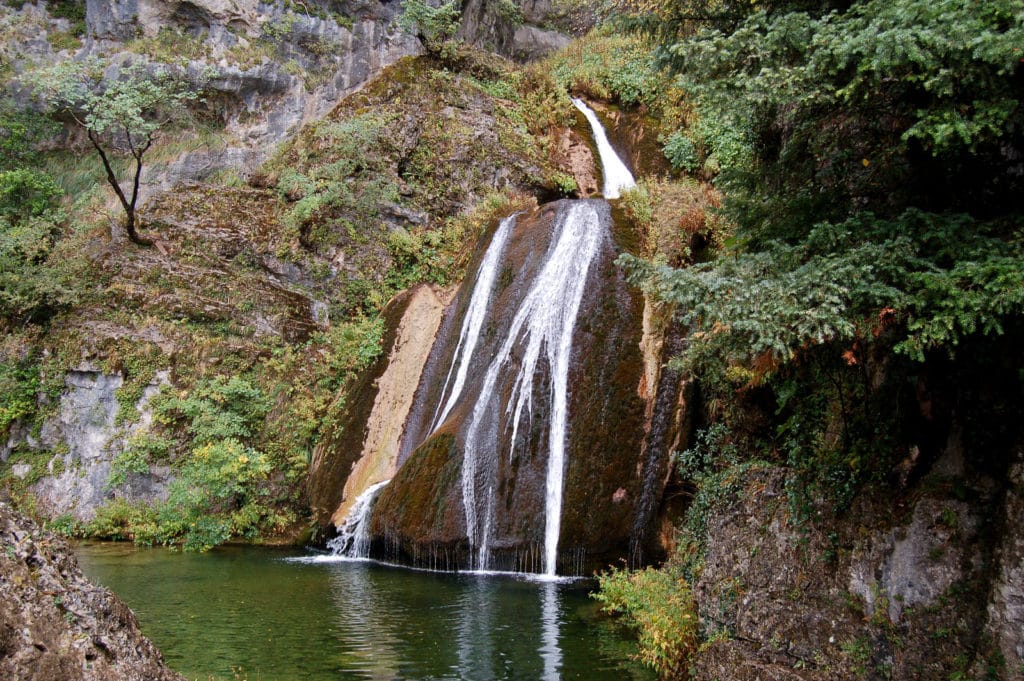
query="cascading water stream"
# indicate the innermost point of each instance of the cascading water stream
(544, 321)
(506, 388)
(353, 538)
(474, 320)
(616, 175)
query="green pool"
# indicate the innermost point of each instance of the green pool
(268, 615)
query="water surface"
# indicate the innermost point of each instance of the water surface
(271, 615)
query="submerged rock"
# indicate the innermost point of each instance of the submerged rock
(55, 624)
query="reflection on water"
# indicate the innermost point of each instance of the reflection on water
(550, 619)
(280, 616)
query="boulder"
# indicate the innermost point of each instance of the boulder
(55, 624)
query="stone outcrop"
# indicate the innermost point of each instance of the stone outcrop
(1006, 603)
(518, 30)
(923, 587)
(83, 437)
(363, 448)
(419, 517)
(320, 55)
(55, 624)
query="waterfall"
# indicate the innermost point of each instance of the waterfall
(488, 442)
(474, 320)
(544, 321)
(353, 538)
(616, 175)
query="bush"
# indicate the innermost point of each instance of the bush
(681, 152)
(433, 25)
(659, 605)
(26, 194)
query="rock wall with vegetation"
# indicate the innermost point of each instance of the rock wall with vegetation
(176, 392)
(829, 243)
(852, 320)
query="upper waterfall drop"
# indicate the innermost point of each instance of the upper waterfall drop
(617, 177)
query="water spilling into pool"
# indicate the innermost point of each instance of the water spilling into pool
(271, 615)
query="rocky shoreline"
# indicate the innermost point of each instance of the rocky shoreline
(56, 624)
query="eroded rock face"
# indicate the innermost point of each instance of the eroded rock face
(55, 624)
(414, 319)
(890, 589)
(85, 437)
(262, 103)
(420, 516)
(127, 19)
(490, 25)
(363, 448)
(1006, 604)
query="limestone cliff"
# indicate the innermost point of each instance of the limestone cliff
(926, 586)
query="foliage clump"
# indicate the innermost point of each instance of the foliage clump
(659, 606)
(866, 271)
(876, 213)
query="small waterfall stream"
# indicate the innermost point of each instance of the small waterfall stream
(474, 319)
(617, 177)
(353, 538)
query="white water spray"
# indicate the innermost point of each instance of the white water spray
(617, 177)
(353, 538)
(474, 319)
(544, 321)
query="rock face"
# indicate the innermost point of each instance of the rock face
(55, 624)
(523, 34)
(331, 54)
(1006, 602)
(421, 516)
(84, 437)
(363, 449)
(927, 589)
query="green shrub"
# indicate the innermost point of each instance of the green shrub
(659, 605)
(19, 385)
(26, 194)
(681, 152)
(73, 11)
(433, 25)
(64, 525)
(121, 520)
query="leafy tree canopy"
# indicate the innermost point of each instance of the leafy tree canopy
(123, 109)
(872, 158)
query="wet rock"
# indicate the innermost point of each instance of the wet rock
(55, 624)
(362, 449)
(422, 512)
(413, 319)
